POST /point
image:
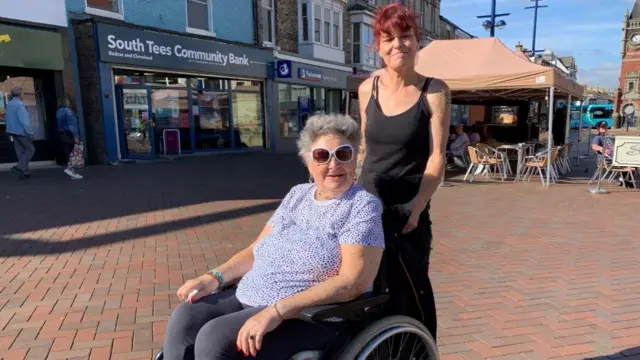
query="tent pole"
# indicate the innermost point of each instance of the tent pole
(580, 129)
(550, 134)
(567, 125)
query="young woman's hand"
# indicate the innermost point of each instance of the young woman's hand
(205, 284)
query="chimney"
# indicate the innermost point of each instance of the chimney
(519, 47)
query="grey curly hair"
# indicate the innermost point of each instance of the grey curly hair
(334, 124)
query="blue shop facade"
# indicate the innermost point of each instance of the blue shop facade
(162, 93)
(302, 87)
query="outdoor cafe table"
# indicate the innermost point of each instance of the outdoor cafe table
(520, 148)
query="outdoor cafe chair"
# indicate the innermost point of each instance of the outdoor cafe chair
(501, 157)
(481, 160)
(539, 162)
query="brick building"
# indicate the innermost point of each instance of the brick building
(627, 96)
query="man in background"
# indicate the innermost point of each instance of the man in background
(19, 128)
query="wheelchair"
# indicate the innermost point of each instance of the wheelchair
(367, 333)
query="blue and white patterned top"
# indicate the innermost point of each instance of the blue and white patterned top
(303, 249)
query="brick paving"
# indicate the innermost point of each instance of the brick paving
(89, 269)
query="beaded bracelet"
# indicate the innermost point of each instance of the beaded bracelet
(216, 274)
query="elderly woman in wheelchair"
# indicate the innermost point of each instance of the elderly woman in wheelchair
(322, 246)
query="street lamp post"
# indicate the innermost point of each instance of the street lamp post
(535, 20)
(491, 24)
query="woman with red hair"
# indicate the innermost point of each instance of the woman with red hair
(405, 125)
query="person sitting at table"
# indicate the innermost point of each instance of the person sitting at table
(474, 135)
(600, 145)
(322, 245)
(458, 146)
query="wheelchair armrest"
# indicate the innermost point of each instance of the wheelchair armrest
(352, 310)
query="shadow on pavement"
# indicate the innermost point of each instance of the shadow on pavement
(630, 353)
(29, 247)
(50, 200)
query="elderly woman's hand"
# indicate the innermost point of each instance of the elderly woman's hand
(205, 284)
(250, 337)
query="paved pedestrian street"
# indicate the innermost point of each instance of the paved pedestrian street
(89, 269)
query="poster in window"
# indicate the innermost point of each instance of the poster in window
(210, 107)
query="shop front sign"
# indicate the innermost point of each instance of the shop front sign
(298, 73)
(284, 69)
(30, 48)
(149, 48)
(309, 74)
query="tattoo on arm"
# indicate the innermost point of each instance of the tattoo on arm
(447, 97)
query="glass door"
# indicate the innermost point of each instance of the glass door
(212, 120)
(170, 110)
(135, 124)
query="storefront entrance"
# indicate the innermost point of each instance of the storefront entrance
(209, 114)
(31, 59)
(143, 115)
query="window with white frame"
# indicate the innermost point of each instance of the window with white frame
(336, 29)
(105, 5)
(198, 16)
(266, 19)
(304, 11)
(317, 20)
(363, 53)
(326, 26)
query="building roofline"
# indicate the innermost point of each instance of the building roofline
(456, 26)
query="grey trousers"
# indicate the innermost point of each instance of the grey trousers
(24, 151)
(209, 328)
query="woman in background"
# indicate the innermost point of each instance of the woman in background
(68, 133)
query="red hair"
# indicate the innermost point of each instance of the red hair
(395, 18)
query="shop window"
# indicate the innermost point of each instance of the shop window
(212, 120)
(267, 21)
(198, 15)
(318, 104)
(33, 100)
(289, 97)
(105, 5)
(209, 84)
(245, 85)
(170, 110)
(165, 80)
(247, 119)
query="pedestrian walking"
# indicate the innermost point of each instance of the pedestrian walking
(18, 127)
(69, 136)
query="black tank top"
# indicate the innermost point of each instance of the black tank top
(397, 149)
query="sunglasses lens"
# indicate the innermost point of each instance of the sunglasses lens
(320, 156)
(344, 153)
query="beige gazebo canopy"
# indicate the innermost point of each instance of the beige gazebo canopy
(477, 69)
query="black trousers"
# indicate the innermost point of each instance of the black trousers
(67, 141)
(208, 329)
(405, 268)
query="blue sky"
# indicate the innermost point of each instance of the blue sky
(589, 30)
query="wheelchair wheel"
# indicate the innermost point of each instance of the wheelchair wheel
(392, 338)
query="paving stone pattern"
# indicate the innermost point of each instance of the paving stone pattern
(89, 269)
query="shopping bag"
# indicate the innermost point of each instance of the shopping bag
(76, 159)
